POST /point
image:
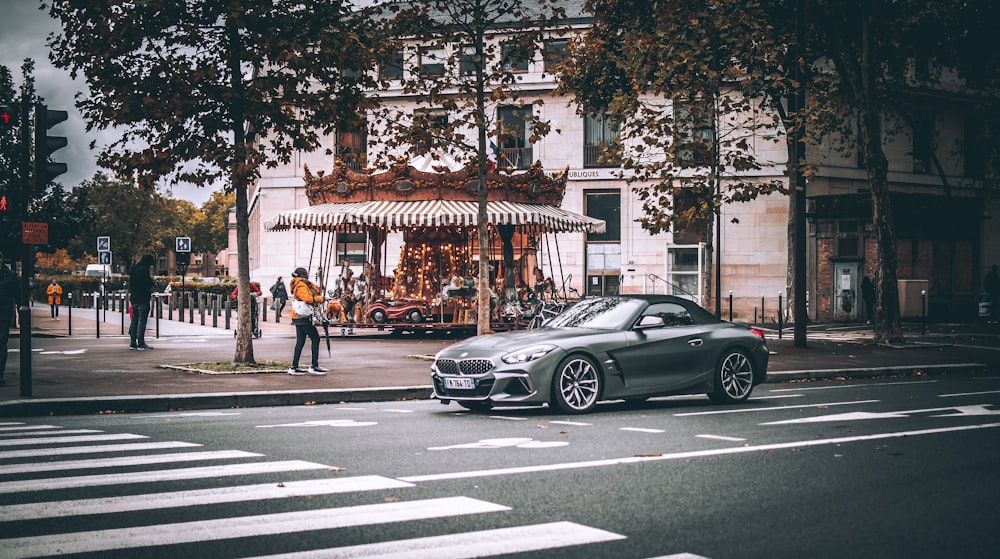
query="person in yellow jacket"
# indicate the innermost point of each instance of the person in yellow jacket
(308, 292)
(55, 292)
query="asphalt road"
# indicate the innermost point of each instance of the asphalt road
(856, 468)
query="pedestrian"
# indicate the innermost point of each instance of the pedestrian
(279, 295)
(868, 297)
(54, 291)
(140, 289)
(992, 287)
(10, 300)
(306, 297)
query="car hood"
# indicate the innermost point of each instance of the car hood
(511, 341)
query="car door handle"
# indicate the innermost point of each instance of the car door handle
(696, 342)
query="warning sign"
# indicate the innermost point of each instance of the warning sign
(33, 233)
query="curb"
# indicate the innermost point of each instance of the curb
(231, 400)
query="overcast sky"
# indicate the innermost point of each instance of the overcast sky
(23, 30)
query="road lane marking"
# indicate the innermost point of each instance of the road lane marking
(75, 439)
(838, 386)
(96, 449)
(323, 423)
(687, 455)
(958, 411)
(22, 427)
(721, 438)
(515, 442)
(245, 527)
(571, 423)
(189, 414)
(968, 394)
(124, 461)
(745, 410)
(126, 478)
(641, 430)
(197, 497)
(483, 543)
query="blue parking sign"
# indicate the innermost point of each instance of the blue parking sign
(183, 244)
(103, 244)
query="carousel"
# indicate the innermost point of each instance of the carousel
(428, 210)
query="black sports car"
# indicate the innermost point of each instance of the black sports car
(628, 347)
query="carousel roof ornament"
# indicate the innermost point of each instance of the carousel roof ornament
(434, 178)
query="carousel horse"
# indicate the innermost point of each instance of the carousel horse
(343, 310)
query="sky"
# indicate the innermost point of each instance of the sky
(23, 32)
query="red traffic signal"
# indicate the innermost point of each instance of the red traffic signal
(9, 115)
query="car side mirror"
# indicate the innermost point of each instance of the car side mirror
(650, 321)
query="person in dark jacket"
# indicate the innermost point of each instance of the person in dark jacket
(280, 296)
(140, 288)
(10, 300)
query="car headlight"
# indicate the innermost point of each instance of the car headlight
(527, 354)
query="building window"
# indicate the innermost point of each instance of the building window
(432, 61)
(599, 134)
(352, 148)
(392, 68)
(351, 246)
(468, 61)
(429, 127)
(923, 142)
(604, 250)
(848, 243)
(684, 271)
(513, 138)
(556, 51)
(694, 134)
(516, 57)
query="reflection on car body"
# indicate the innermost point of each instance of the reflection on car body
(628, 347)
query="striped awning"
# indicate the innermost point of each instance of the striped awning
(321, 217)
(394, 214)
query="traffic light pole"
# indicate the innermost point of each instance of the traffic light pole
(27, 257)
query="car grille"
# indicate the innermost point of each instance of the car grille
(464, 366)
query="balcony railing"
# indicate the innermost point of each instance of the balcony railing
(515, 158)
(596, 156)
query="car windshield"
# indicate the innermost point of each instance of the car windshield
(602, 312)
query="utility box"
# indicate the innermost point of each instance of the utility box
(910, 300)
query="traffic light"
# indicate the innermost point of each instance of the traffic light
(45, 145)
(9, 116)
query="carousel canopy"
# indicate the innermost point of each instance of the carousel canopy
(395, 214)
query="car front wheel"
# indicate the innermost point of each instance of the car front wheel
(576, 385)
(378, 316)
(733, 378)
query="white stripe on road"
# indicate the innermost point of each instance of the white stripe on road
(720, 438)
(244, 527)
(96, 449)
(6, 430)
(687, 455)
(484, 543)
(745, 410)
(157, 475)
(969, 394)
(865, 385)
(156, 501)
(572, 423)
(48, 433)
(122, 461)
(82, 439)
(642, 430)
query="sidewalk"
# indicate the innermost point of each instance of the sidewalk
(102, 376)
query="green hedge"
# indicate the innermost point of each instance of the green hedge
(90, 284)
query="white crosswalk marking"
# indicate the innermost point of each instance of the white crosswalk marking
(102, 515)
(124, 461)
(247, 526)
(60, 440)
(483, 543)
(132, 503)
(97, 449)
(157, 475)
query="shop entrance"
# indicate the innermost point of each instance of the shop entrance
(846, 291)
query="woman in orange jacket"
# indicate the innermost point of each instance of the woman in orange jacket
(55, 292)
(306, 291)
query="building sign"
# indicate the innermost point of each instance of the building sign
(33, 233)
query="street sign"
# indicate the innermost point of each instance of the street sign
(104, 257)
(33, 233)
(183, 244)
(103, 244)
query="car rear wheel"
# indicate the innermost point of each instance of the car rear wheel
(733, 378)
(576, 385)
(378, 316)
(415, 317)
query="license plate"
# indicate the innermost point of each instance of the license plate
(459, 383)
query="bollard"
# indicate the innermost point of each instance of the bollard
(263, 309)
(159, 313)
(190, 303)
(229, 312)
(202, 298)
(121, 305)
(923, 312)
(69, 314)
(215, 310)
(779, 316)
(97, 309)
(730, 305)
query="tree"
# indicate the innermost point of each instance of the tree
(852, 56)
(466, 52)
(211, 90)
